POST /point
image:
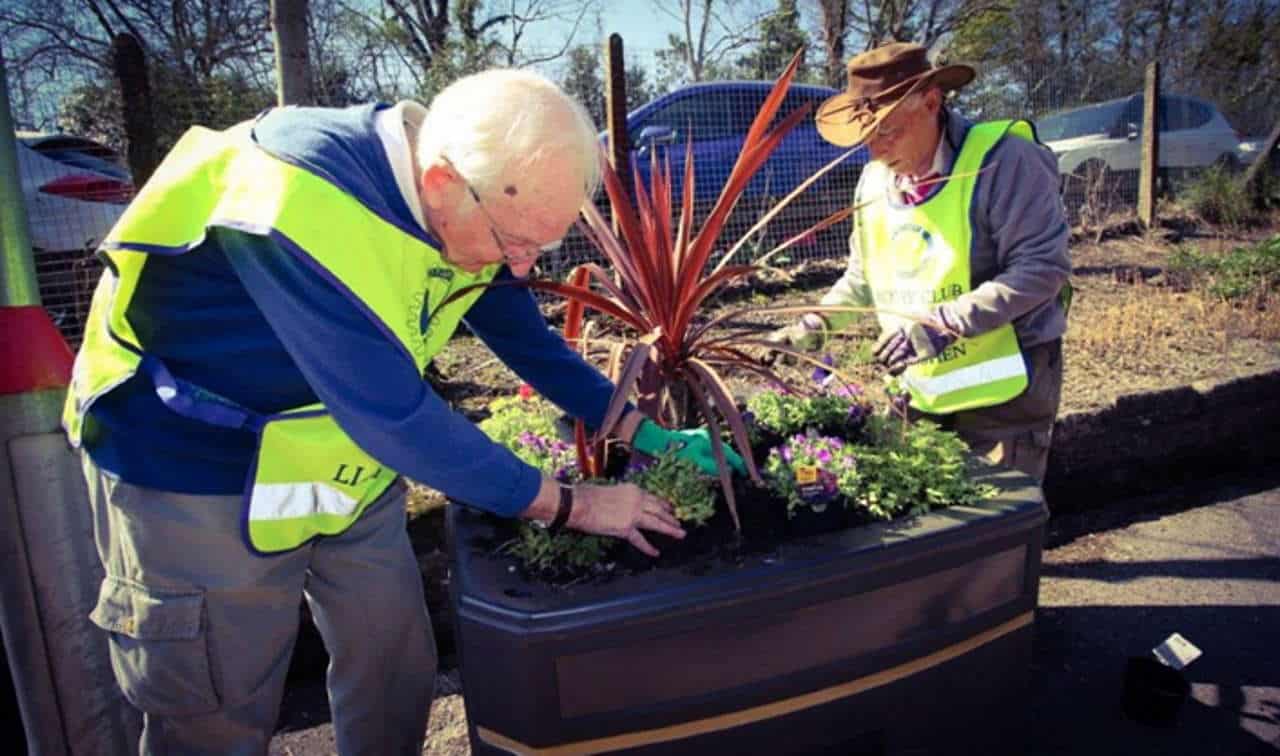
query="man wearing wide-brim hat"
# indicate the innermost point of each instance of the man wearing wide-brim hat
(960, 244)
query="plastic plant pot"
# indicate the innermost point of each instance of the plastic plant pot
(1153, 692)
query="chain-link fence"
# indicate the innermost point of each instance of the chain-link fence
(75, 188)
(76, 184)
(1094, 126)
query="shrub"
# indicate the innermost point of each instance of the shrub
(1219, 197)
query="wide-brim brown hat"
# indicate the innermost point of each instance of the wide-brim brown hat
(879, 80)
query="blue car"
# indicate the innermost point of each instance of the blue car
(715, 116)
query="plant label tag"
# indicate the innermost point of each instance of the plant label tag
(806, 475)
(1176, 652)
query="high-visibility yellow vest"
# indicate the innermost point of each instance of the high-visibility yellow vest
(917, 257)
(309, 478)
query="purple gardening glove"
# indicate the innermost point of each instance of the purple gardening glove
(913, 342)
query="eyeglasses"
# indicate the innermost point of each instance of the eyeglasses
(896, 122)
(526, 250)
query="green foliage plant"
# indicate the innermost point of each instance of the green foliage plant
(680, 482)
(525, 424)
(910, 469)
(1245, 271)
(512, 416)
(842, 408)
(552, 555)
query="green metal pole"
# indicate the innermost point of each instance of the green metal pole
(17, 272)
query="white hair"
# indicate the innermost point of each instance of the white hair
(507, 121)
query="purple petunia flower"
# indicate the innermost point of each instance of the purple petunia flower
(820, 374)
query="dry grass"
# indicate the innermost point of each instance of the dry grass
(422, 500)
(1131, 332)
(447, 728)
(1138, 324)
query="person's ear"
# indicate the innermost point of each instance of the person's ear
(933, 99)
(437, 182)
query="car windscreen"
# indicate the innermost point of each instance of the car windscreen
(1097, 119)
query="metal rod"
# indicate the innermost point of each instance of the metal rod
(17, 270)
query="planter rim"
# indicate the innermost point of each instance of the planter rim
(487, 590)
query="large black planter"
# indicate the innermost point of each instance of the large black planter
(911, 636)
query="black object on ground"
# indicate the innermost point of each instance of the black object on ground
(1153, 692)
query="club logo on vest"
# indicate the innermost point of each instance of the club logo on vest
(919, 254)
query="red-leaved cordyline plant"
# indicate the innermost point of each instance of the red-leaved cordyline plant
(658, 285)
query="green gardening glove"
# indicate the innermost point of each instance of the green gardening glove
(692, 445)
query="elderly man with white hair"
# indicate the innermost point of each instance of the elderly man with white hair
(250, 390)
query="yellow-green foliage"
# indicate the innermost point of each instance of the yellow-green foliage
(512, 416)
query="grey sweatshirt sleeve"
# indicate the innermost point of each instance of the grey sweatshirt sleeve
(1019, 260)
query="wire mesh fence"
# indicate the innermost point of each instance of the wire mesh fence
(706, 123)
(75, 188)
(77, 184)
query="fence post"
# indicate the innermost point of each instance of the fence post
(67, 696)
(1150, 166)
(615, 105)
(293, 61)
(135, 97)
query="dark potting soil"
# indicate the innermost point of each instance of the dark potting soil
(764, 526)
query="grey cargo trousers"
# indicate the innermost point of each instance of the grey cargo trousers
(201, 630)
(1018, 433)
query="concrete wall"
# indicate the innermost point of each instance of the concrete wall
(1150, 442)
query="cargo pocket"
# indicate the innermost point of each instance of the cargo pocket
(159, 649)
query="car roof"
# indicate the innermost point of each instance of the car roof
(746, 84)
(51, 140)
(1126, 98)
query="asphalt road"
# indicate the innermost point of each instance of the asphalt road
(1202, 561)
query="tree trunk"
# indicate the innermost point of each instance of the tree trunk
(835, 19)
(135, 97)
(293, 61)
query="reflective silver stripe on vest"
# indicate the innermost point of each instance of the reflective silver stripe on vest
(974, 375)
(282, 501)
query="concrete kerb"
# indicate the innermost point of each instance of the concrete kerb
(1149, 442)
